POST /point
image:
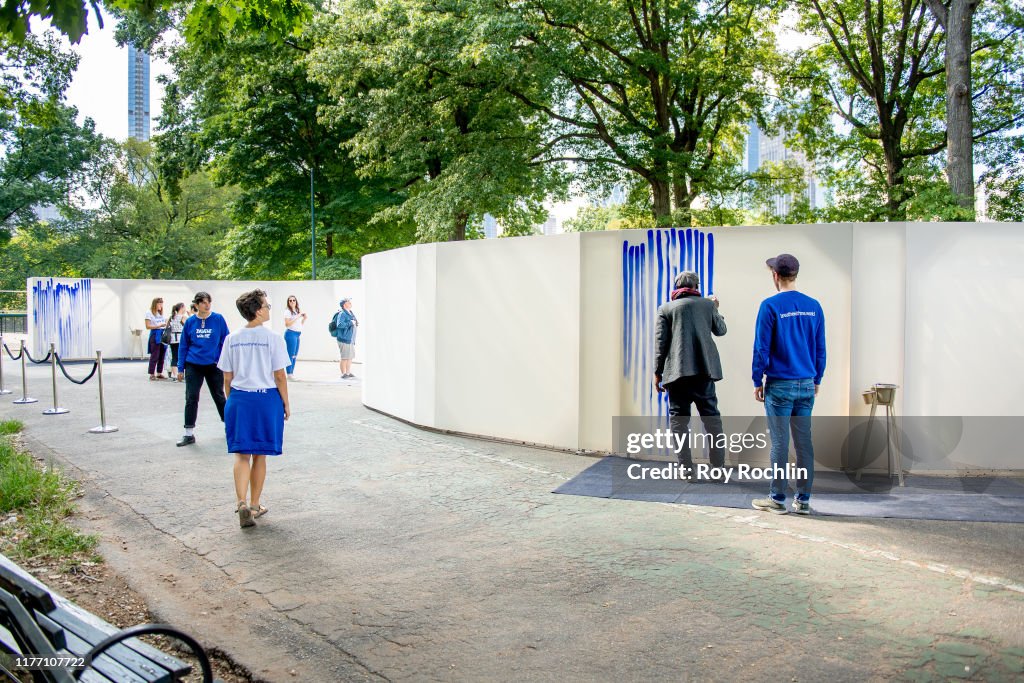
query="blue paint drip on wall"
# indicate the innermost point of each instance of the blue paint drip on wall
(649, 269)
(62, 314)
(711, 264)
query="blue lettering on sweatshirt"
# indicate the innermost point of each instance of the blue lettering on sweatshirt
(789, 339)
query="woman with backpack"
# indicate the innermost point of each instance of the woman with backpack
(345, 332)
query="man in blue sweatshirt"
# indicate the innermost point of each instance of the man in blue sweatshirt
(201, 341)
(789, 361)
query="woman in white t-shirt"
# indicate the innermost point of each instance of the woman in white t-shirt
(155, 323)
(293, 319)
(253, 361)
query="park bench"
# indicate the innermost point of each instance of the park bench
(72, 644)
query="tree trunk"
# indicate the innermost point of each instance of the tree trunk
(662, 201)
(460, 227)
(895, 209)
(682, 200)
(330, 245)
(959, 114)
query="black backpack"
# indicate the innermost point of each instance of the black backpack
(332, 326)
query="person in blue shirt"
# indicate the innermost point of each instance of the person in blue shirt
(789, 362)
(198, 352)
(345, 333)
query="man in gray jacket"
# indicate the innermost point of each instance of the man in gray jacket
(686, 361)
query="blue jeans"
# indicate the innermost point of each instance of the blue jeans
(788, 404)
(291, 340)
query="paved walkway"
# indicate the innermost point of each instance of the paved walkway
(392, 553)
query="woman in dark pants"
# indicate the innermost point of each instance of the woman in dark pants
(155, 323)
(176, 323)
(201, 341)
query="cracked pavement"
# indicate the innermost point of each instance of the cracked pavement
(393, 553)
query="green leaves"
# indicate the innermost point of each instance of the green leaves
(870, 103)
(209, 22)
(426, 90)
(44, 149)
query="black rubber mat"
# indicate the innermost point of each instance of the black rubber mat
(972, 499)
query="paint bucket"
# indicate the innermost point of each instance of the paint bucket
(869, 396)
(885, 394)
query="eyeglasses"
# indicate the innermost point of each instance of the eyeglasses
(267, 304)
(292, 301)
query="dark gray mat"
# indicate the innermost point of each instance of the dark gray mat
(969, 499)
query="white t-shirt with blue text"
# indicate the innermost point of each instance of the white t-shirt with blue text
(252, 354)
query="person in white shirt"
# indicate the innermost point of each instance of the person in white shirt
(293, 320)
(176, 323)
(253, 361)
(155, 323)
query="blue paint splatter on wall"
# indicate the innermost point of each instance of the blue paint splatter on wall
(649, 268)
(62, 314)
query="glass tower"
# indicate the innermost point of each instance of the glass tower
(138, 94)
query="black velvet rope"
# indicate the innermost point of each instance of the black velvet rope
(33, 360)
(95, 365)
(8, 350)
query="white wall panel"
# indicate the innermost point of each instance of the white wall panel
(508, 338)
(965, 319)
(388, 337)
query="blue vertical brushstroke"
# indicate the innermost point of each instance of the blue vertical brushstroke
(629, 319)
(700, 263)
(689, 248)
(634, 351)
(644, 327)
(711, 263)
(625, 308)
(677, 262)
(661, 268)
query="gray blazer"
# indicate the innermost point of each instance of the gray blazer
(683, 345)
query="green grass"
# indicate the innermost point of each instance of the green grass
(40, 499)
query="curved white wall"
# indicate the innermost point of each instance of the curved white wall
(527, 339)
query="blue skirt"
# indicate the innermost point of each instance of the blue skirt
(254, 422)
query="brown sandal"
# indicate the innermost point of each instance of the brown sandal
(259, 511)
(244, 515)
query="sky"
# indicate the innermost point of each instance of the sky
(100, 86)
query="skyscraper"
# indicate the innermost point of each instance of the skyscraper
(138, 94)
(762, 149)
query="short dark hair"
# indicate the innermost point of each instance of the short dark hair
(202, 296)
(250, 303)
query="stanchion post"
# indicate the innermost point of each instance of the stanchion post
(104, 428)
(3, 390)
(24, 381)
(56, 409)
